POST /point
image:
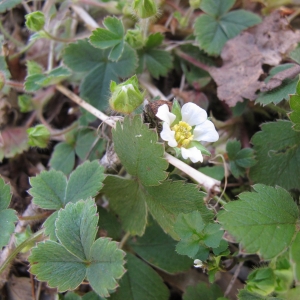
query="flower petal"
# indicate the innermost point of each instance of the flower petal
(193, 114)
(164, 114)
(193, 153)
(168, 135)
(206, 132)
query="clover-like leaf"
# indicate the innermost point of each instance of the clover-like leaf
(263, 221)
(51, 190)
(65, 265)
(158, 62)
(277, 149)
(140, 153)
(140, 282)
(164, 202)
(100, 71)
(217, 26)
(7, 216)
(112, 36)
(157, 249)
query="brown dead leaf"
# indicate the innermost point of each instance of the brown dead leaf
(238, 77)
(244, 55)
(19, 288)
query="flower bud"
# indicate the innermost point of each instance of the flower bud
(35, 21)
(126, 97)
(195, 4)
(25, 103)
(38, 136)
(134, 38)
(145, 8)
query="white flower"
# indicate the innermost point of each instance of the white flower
(187, 132)
(198, 263)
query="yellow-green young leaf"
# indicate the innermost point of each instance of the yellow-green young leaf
(277, 149)
(83, 57)
(202, 291)
(140, 282)
(110, 37)
(7, 216)
(137, 147)
(263, 221)
(217, 26)
(38, 136)
(158, 249)
(51, 190)
(64, 265)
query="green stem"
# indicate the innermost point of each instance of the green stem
(9, 37)
(18, 249)
(124, 239)
(219, 200)
(24, 49)
(57, 39)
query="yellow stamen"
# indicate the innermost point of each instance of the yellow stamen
(183, 134)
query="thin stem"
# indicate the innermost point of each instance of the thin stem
(17, 250)
(35, 217)
(124, 239)
(219, 200)
(88, 20)
(58, 39)
(24, 49)
(17, 85)
(192, 60)
(9, 36)
(233, 279)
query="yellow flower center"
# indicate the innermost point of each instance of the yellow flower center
(183, 134)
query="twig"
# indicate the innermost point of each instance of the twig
(210, 184)
(89, 21)
(193, 61)
(233, 279)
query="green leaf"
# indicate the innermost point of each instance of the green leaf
(7, 219)
(50, 189)
(54, 76)
(63, 158)
(83, 57)
(158, 249)
(295, 106)
(49, 225)
(164, 202)
(137, 147)
(8, 4)
(214, 29)
(3, 64)
(277, 149)
(64, 265)
(295, 259)
(111, 37)
(269, 223)
(5, 195)
(77, 237)
(109, 224)
(85, 144)
(216, 172)
(281, 92)
(202, 291)
(140, 282)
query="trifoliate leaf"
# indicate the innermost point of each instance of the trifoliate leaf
(63, 158)
(51, 190)
(83, 57)
(202, 291)
(217, 26)
(281, 92)
(158, 249)
(49, 225)
(140, 153)
(295, 106)
(277, 149)
(110, 37)
(64, 265)
(157, 62)
(164, 202)
(140, 282)
(264, 221)
(8, 4)
(295, 259)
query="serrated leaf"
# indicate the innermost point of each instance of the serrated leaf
(49, 225)
(5, 195)
(214, 29)
(212, 235)
(7, 219)
(63, 158)
(83, 57)
(65, 265)
(111, 37)
(51, 190)
(77, 237)
(54, 76)
(244, 158)
(246, 295)
(202, 291)
(8, 4)
(158, 249)
(281, 92)
(140, 153)
(140, 282)
(277, 149)
(164, 202)
(264, 221)
(216, 172)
